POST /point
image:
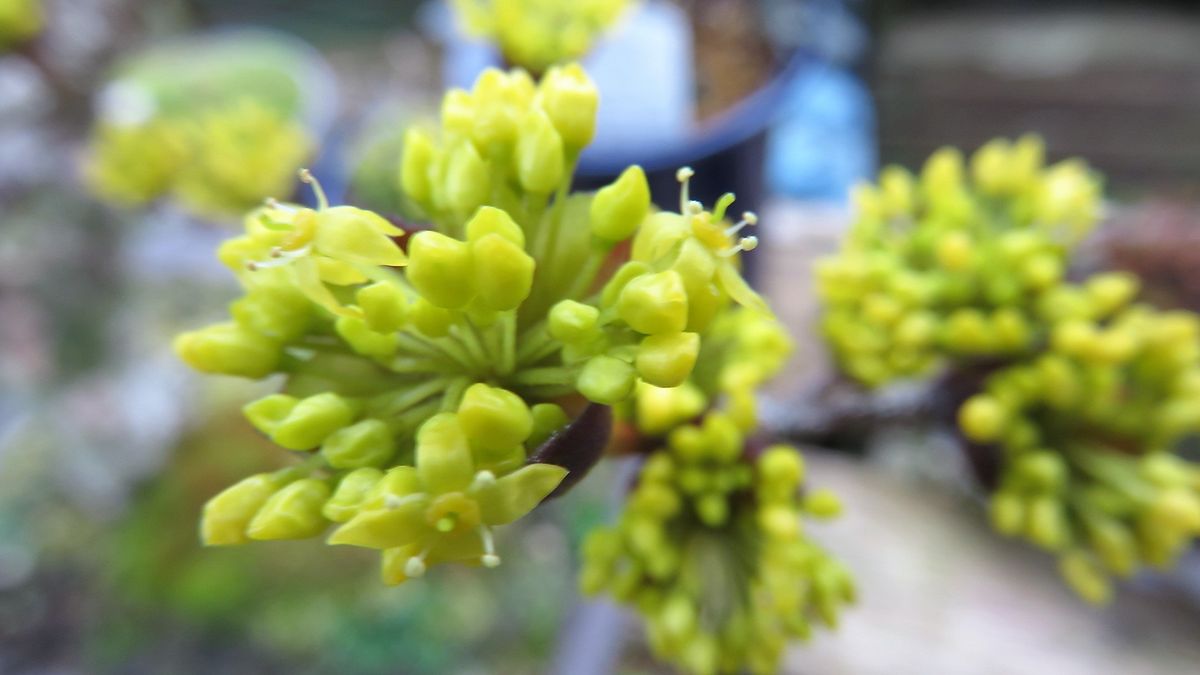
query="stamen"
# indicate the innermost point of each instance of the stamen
(482, 479)
(748, 219)
(415, 567)
(683, 175)
(694, 208)
(279, 258)
(307, 177)
(489, 557)
(745, 244)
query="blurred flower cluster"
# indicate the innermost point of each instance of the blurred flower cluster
(1081, 392)
(536, 34)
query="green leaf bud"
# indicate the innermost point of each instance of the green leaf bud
(417, 158)
(440, 269)
(431, 320)
(503, 272)
(606, 380)
(572, 322)
(666, 360)
(229, 349)
(227, 515)
(548, 419)
(443, 455)
(654, 303)
(294, 512)
(383, 306)
(620, 207)
(352, 490)
(539, 154)
(356, 333)
(491, 220)
(467, 182)
(362, 444)
(357, 236)
(312, 420)
(983, 418)
(569, 98)
(494, 419)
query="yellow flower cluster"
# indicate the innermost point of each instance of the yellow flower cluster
(711, 550)
(537, 34)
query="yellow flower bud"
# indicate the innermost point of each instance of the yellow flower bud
(569, 98)
(443, 455)
(548, 419)
(654, 303)
(229, 349)
(312, 420)
(416, 164)
(620, 207)
(432, 321)
(1007, 512)
(227, 515)
(280, 312)
(491, 220)
(351, 492)
(467, 182)
(1086, 578)
(782, 465)
(606, 380)
(383, 306)
(503, 272)
(439, 269)
(539, 155)
(983, 418)
(573, 322)
(624, 274)
(458, 113)
(494, 419)
(363, 340)
(267, 412)
(294, 512)
(362, 444)
(666, 360)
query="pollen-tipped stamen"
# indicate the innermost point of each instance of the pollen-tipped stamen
(489, 557)
(744, 244)
(683, 175)
(749, 219)
(415, 566)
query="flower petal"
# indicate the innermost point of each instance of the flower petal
(516, 494)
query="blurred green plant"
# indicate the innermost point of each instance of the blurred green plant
(1083, 394)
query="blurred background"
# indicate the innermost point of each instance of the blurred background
(133, 132)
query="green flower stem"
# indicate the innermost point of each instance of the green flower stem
(454, 394)
(405, 425)
(536, 344)
(390, 405)
(547, 240)
(508, 342)
(1111, 470)
(442, 350)
(591, 268)
(544, 376)
(407, 365)
(462, 336)
(303, 469)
